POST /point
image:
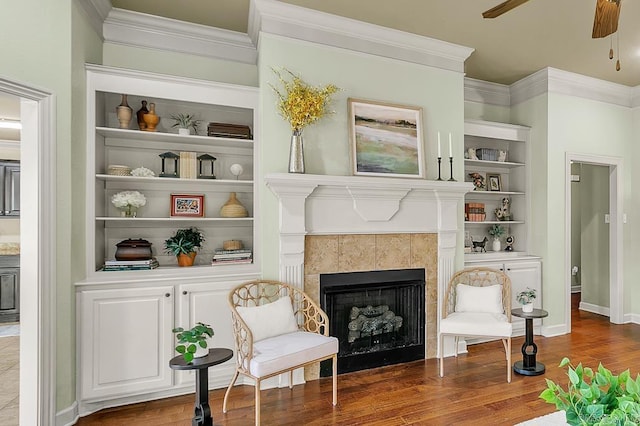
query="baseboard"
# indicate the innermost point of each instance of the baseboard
(553, 330)
(595, 309)
(69, 416)
(631, 318)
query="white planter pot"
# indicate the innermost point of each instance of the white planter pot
(182, 131)
(527, 307)
(200, 352)
(496, 244)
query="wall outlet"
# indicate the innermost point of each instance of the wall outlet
(607, 218)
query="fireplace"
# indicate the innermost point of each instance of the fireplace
(378, 317)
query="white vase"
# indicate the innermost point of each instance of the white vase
(527, 307)
(182, 131)
(200, 352)
(496, 244)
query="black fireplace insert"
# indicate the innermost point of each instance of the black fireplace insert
(377, 316)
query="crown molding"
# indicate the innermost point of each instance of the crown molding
(485, 92)
(635, 97)
(97, 11)
(275, 17)
(552, 80)
(148, 31)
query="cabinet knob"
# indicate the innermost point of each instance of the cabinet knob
(184, 292)
(167, 295)
(508, 269)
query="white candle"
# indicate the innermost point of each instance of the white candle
(439, 155)
(450, 147)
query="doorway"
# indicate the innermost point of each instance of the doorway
(37, 252)
(593, 257)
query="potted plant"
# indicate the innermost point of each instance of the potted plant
(526, 298)
(496, 231)
(596, 397)
(193, 343)
(184, 244)
(185, 122)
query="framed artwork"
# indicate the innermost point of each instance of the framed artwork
(386, 139)
(494, 182)
(478, 180)
(187, 205)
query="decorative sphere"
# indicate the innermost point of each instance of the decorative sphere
(236, 169)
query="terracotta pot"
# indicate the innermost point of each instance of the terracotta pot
(186, 259)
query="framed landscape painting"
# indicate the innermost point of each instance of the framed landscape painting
(386, 139)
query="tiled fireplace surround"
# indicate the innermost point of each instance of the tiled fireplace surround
(334, 224)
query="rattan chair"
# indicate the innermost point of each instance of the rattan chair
(469, 312)
(259, 359)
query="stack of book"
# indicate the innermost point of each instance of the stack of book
(130, 265)
(223, 257)
(188, 165)
(474, 212)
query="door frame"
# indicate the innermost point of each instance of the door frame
(616, 287)
(37, 253)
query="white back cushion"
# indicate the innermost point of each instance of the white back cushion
(479, 299)
(269, 320)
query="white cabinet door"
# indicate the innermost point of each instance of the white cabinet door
(207, 303)
(523, 275)
(125, 341)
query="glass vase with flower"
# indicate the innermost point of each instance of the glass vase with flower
(128, 202)
(301, 105)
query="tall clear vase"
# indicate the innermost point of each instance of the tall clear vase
(296, 153)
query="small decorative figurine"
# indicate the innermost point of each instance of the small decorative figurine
(504, 211)
(509, 240)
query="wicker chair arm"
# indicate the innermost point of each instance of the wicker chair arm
(315, 320)
(243, 339)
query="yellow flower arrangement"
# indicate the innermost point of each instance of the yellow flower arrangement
(299, 103)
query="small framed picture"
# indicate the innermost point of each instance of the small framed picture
(187, 205)
(494, 182)
(478, 180)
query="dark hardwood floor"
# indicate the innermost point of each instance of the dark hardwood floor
(474, 390)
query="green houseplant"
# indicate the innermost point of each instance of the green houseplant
(194, 341)
(185, 121)
(596, 398)
(526, 298)
(184, 244)
(496, 231)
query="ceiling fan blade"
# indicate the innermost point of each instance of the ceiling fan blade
(494, 12)
(605, 21)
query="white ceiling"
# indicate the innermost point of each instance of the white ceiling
(538, 34)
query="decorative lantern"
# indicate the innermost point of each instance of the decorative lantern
(165, 172)
(202, 166)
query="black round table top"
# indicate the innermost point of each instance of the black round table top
(537, 313)
(216, 356)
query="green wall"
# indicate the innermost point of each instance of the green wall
(326, 144)
(561, 124)
(179, 64)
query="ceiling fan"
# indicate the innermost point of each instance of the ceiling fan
(605, 21)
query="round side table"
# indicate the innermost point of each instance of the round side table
(202, 411)
(528, 366)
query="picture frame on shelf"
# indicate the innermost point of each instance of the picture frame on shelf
(386, 139)
(187, 205)
(494, 182)
(479, 181)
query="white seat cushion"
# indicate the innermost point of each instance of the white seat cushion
(289, 350)
(476, 324)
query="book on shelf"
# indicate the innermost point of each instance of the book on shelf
(130, 265)
(221, 251)
(131, 262)
(231, 261)
(474, 212)
(188, 165)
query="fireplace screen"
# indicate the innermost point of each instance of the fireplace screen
(378, 317)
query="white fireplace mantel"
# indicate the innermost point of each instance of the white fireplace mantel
(329, 205)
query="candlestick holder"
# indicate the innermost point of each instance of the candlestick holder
(451, 179)
(439, 163)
